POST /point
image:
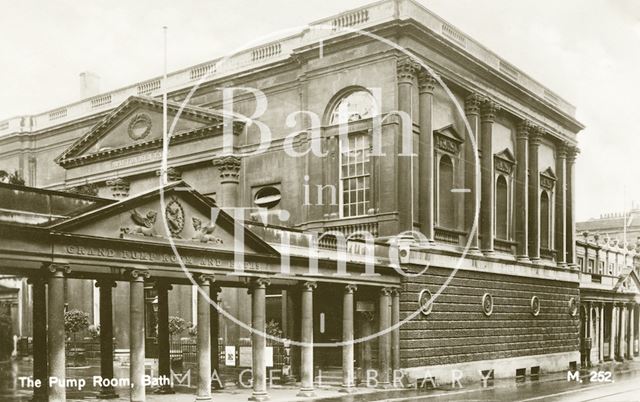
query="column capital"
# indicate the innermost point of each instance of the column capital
(173, 174)
(137, 275)
(258, 283)
(228, 166)
(563, 150)
(386, 291)
(309, 285)
(572, 153)
(535, 135)
(524, 128)
(395, 291)
(204, 279)
(488, 110)
(407, 69)
(426, 81)
(472, 104)
(54, 268)
(106, 283)
(350, 288)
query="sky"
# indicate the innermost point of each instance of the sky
(587, 51)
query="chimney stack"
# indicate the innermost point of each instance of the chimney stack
(89, 84)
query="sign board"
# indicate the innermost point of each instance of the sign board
(245, 356)
(230, 356)
(268, 356)
(365, 305)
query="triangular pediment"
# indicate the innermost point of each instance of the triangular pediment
(447, 139)
(506, 155)
(504, 161)
(628, 282)
(136, 126)
(174, 213)
(549, 173)
(450, 132)
(547, 179)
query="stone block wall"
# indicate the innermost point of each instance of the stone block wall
(457, 330)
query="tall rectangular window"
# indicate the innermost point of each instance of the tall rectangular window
(355, 176)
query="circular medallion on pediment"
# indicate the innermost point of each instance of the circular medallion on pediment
(487, 304)
(175, 217)
(425, 300)
(535, 305)
(139, 126)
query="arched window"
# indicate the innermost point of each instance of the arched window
(446, 205)
(502, 209)
(545, 219)
(356, 105)
(355, 162)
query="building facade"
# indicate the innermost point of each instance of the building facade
(609, 293)
(484, 169)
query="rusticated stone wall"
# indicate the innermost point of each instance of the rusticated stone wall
(457, 330)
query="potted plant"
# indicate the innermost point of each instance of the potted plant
(74, 322)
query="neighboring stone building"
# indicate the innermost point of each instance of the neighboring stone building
(507, 306)
(609, 297)
(621, 226)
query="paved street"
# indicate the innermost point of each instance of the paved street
(554, 387)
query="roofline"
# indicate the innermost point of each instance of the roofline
(363, 17)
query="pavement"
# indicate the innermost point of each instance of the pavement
(623, 385)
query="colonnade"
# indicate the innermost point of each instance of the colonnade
(50, 338)
(481, 113)
(617, 319)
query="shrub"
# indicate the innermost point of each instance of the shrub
(74, 322)
(176, 325)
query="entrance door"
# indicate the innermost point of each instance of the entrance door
(327, 325)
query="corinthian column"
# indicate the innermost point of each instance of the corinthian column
(561, 206)
(471, 170)
(488, 115)
(522, 190)
(572, 153)
(229, 168)
(407, 70)
(534, 194)
(426, 85)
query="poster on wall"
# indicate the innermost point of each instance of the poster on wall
(230, 356)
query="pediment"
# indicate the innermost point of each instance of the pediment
(504, 161)
(447, 139)
(175, 213)
(547, 179)
(136, 126)
(629, 283)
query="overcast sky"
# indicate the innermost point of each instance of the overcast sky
(586, 51)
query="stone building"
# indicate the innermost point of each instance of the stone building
(609, 297)
(498, 298)
(621, 226)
